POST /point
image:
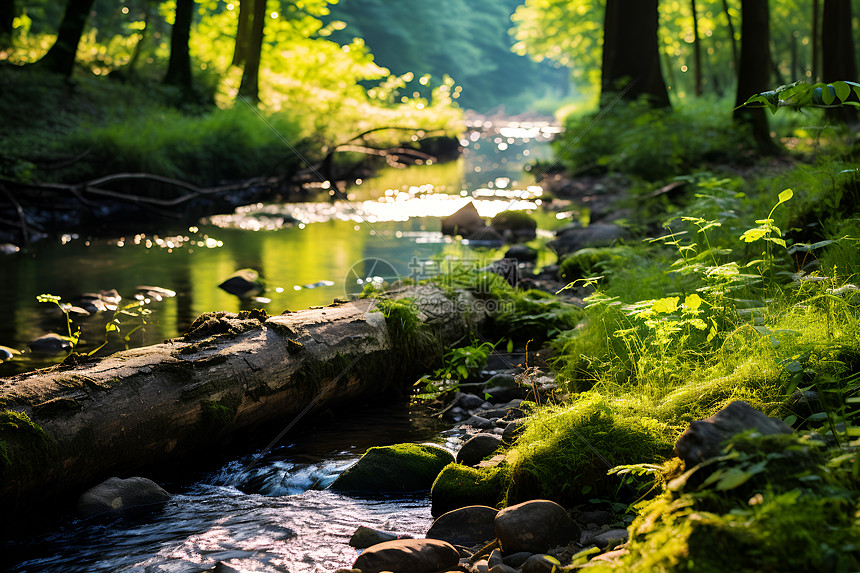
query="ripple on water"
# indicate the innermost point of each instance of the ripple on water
(306, 532)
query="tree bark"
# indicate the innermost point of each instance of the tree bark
(754, 71)
(179, 67)
(838, 58)
(231, 376)
(7, 19)
(243, 33)
(816, 42)
(60, 58)
(631, 56)
(732, 39)
(249, 88)
(697, 50)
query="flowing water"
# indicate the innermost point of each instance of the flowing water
(272, 513)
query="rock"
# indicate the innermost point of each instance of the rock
(505, 268)
(609, 539)
(595, 235)
(115, 494)
(401, 467)
(469, 401)
(50, 344)
(478, 422)
(521, 253)
(541, 564)
(495, 558)
(502, 568)
(503, 380)
(365, 537)
(704, 439)
(477, 448)
(597, 517)
(7, 353)
(486, 237)
(481, 566)
(244, 283)
(408, 555)
(512, 430)
(534, 526)
(515, 225)
(506, 393)
(517, 559)
(467, 526)
(461, 486)
(465, 221)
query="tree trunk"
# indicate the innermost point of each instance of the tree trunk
(631, 56)
(732, 39)
(838, 58)
(60, 58)
(231, 376)
(243, 33)
(249, 88)
(754, 71)
(697, 49)
(816, 42)
(7, 19)
(179, 66)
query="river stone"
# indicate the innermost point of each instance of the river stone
(408, 556)
(512, 430)
(609, 539)
(522, 253)
(467, 526)
(478, 422)
(477, 448)
(594, 235)
(540, 564)
(50, 344)
(464, 222)
(115, 494)
(515, 225)
(534, 526)
(401, 467)
(704, 439)
(469, 401)
(244, 283)
(365, 537)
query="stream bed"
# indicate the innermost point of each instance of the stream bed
(260, 509)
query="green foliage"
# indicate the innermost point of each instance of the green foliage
(801, 94)
(401, 316)
(465, 362)
(534, 316)
(771, 503)
(460, 486)
(652, 144)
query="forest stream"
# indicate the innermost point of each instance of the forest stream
(263, 509)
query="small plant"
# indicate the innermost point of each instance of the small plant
(464, 363)
(73, 337)
(768, 232)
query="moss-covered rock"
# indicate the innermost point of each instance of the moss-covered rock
(401, 467)
(588, 261)
(461, 486)
(565, 452)
(515, 225)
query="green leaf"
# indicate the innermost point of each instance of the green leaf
(752, 235)
(785, 196)
(842, 89)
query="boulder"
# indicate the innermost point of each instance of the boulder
(477, 448)
(408, 555)
(115, 494)
(535, 526)
(50, 344)
(401, 467)
(465, 221)
(467, 526)
(365, 537)
(541, 564)
(505, 268)
(705, 439)
(461, 486)
(521, 253)
(515, 225)
(244, 283)
(595, 235)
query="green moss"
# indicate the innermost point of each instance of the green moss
(591, 261)
(401, 467)
(25, 445)
(460, 486)
(221, 413)
(514, 221)
(565, 452)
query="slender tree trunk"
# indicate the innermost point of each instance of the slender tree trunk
(631, 55)
(60, 58)
(249, 88)
(732, 39)
(816, 42)
(7, 18)
(697, 49)
(243, 33)
(179, 66)
(838, 58)
(754, 71)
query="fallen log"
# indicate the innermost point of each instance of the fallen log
(63, 430)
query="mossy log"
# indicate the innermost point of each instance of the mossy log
(64, 429)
